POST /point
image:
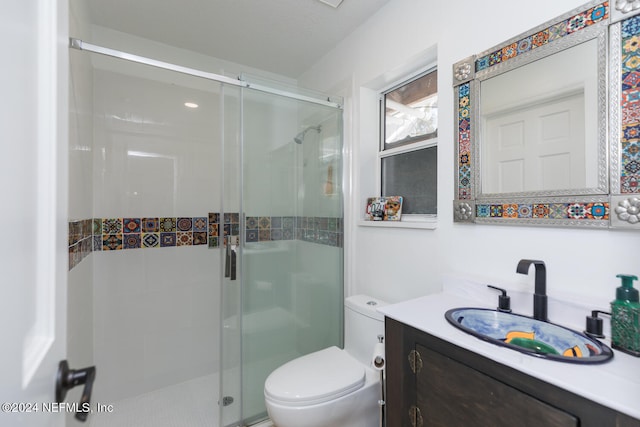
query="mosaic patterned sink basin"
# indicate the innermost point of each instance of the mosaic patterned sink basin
(529, 336)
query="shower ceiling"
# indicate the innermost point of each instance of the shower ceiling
(281, 36)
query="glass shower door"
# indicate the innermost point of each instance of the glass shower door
(228, 231)
(287, 296)
(150, 307)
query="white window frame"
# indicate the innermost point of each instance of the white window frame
(424, 221)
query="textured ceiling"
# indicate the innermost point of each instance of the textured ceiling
(281, 36)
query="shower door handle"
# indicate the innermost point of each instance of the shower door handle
(230, 262)
(233, 262)
(227, 260)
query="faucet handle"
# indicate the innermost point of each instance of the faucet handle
(504, 301)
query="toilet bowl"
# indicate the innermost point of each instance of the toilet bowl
(332, 387)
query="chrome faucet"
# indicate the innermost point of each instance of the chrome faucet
(540, 293)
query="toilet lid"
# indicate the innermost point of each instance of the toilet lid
(315, 378)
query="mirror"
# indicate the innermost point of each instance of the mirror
(532, 123)
(538, 127)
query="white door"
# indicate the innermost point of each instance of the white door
(537, 148)
(33, 252)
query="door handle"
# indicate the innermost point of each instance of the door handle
(233, 263)
(66, 379)
(231, 257)
(227, 260)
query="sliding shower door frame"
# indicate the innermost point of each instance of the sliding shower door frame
(89, 47)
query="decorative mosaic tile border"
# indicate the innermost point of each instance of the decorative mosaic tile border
(109, 234)
(320, 230)
(545, 36)
(464, 143)
(230, 227)
(135, 233)
(630, 106)
(572, 211)
(80, 241)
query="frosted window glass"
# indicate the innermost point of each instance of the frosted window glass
(414, 176)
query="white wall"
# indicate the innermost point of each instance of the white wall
(397, 264)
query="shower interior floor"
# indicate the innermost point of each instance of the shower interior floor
(192, 403)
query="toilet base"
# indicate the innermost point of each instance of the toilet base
(357, 409)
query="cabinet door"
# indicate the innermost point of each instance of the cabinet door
(452, 394)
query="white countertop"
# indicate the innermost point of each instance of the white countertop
(615, 384)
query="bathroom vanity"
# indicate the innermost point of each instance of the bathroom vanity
(439, 376)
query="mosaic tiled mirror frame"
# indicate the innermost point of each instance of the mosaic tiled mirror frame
(615, 202)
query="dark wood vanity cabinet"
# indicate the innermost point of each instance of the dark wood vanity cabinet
(431, 382)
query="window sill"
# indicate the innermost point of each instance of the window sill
(424, 224)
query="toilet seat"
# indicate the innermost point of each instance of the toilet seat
(315, 378)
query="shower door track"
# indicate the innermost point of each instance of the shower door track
(82, 45)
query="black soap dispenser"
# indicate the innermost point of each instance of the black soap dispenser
(504, 301)
(594, 324)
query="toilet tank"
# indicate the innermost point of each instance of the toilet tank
(362, 325)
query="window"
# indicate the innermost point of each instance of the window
(408, 147)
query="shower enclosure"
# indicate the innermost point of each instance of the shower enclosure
(217, 238)
(282, 294)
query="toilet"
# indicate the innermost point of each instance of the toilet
(332, 387)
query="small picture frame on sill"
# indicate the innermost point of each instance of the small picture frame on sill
(387, 208)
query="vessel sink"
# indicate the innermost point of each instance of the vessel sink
(529, 336)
